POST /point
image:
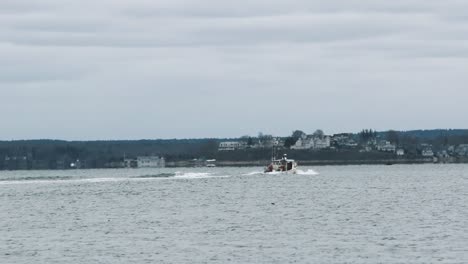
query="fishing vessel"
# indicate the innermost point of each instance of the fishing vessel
(282, 165)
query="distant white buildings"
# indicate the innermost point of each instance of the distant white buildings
(312, 142)
(141, 162)
(304, 142)
(267, 142)
(344, 140)
(400, 152)
(275, 142)
(461, 150)
(322, 143)
(232, 145)
(427, 153)
(150, 162)
(426, 150)
(385, 146)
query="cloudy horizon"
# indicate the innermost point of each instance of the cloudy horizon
(121, 69)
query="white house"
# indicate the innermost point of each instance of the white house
(462, 150)
(322, 143)
(386, 146)
(150, 162)
(304, 142)
(312, 142)
(231, 145)
(400, 152)
(427, 152)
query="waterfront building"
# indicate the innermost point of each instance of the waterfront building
(462, 150)
(322, 142)
(210, 163)
(386, 146)
(232, 145)
(343, 140)
(312, 142)
(304, 142)
(427, 152)
(150, 162)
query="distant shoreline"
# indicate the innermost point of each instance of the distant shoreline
(310, 162)
(365, 147)
(262, 164)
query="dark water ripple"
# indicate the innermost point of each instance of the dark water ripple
(350, 214)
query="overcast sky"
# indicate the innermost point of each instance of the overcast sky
(132, 69)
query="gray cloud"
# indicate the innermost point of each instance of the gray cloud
(144, 69)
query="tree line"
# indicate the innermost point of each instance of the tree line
(56, 154)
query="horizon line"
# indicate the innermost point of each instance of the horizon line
(207, 138)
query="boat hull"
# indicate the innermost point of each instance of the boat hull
(278, 167)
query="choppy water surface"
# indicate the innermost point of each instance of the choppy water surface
(348, 214)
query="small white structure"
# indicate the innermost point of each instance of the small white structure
(210, 163)
(322, 143)
(150, 162)
(427, 152)
(462, 150)
(400, 152)
(386, 146)
(312, 142)
(231, 145)
(304, 142)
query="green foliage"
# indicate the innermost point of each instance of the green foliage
(297, 134)
(366, 135)
(393, 136)
(319, 133)
(53, 154)
(290, 141)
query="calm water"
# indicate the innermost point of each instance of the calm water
(348, 214)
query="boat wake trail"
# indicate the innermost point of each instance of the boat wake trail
(182, 175)
(106, 178)
(160, 175)
(298, 172)
(193, 175)
(253, 173)
(307, 172)
(40, 178)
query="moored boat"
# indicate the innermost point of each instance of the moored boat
(211, 163)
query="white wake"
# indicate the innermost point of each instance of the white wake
(307, 172)
(298, 172)
(195, 175)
